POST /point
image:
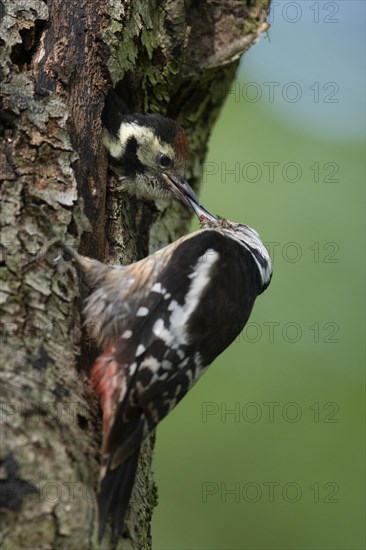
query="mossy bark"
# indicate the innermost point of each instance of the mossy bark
(57, 61)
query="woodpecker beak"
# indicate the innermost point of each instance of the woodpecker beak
(202, 214)
(180, 189)
(184, 192)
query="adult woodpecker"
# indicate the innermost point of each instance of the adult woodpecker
(160, 322)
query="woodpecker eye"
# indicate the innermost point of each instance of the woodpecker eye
(165, 160)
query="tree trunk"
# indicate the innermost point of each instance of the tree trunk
(57, 61)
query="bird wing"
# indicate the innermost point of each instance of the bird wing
(172, 322)
(156, 358)
(146, 342)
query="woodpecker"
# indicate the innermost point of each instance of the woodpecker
(147, 152)
(160, 322)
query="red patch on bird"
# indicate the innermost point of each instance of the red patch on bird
(106, 384)
(180, 143)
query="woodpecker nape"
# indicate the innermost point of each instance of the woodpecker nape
(160, 322)
(147, 152)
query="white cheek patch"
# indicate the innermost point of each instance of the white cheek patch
(149, 145)
(126, 132)
(117, 146)
(113, 146)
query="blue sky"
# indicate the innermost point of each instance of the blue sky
(320, 47)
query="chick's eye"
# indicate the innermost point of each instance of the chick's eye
(165, 160)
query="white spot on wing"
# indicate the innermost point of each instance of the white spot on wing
(158, 327)
(157, 288)
(160, 331)
(140, 350)
(127, 334)
(142, 311)
(172, 305)
(151, 362)
(197, 359)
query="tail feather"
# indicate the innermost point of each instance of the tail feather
(114, 496)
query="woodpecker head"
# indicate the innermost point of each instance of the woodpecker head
(147, 152)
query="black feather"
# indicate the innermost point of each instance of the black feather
(114, 496)
(115, 110)
(116, 485)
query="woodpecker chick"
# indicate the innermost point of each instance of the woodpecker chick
(160, 322)
(147, 152)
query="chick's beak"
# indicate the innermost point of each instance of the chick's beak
(184, 192)
(180, 189)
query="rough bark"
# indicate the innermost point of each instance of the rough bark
(57, 61)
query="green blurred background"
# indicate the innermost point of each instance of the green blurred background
(267, 451)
